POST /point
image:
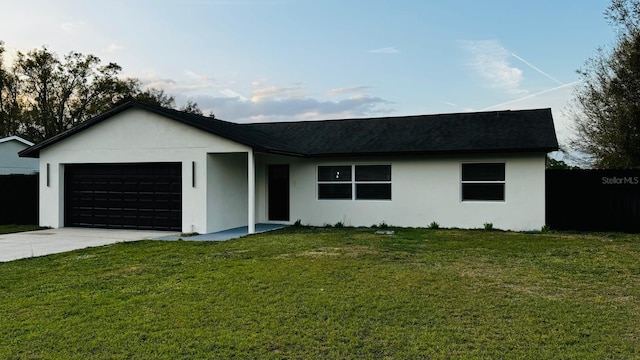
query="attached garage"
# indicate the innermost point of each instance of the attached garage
(124, 196)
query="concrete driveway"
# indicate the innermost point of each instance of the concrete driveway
(44, 242)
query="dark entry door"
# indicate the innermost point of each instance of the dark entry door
(124, 196)
(278, 183)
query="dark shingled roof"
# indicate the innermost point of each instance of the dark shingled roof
(496, 131)
(480, 132)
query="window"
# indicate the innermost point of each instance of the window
(483, 181)
(371, 182)
(334, 182)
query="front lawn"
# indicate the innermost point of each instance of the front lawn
(308, 293)
(7, 229)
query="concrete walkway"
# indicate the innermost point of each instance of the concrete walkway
(52, 241)
(44, 242)
(225, 234)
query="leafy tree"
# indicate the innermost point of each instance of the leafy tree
(606, 108)
(191, 108)
(553, 164)
(154, 96)
(158, 97)
(43, 95)
(59, 94)
(10, 110)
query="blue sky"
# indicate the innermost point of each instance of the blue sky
(278, 60)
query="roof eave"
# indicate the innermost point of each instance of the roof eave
(280, 152)
(544, 150)
(16, 138)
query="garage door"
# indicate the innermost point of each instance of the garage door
(124, 196)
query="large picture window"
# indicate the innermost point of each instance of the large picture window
(483, 181)
(354, 182)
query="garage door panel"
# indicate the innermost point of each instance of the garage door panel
(130, 196)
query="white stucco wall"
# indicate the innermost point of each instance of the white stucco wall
(129, 137)
(424, 189)
(11, 163)
(227, 200)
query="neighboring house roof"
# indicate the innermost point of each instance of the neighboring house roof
(479, 132)
(16, 138)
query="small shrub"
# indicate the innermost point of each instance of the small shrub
(298, 223)
(488, 226)
(374, 226)
(383, 225)
(339, 224)
(327, 225)
(434, 225)
(189, 234)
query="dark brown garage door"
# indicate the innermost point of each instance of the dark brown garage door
(124, 196)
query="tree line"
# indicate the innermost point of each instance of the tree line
(42, 95)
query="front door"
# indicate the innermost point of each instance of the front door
(278, 184)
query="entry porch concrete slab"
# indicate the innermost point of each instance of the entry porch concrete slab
(225, 234)
(51, 241)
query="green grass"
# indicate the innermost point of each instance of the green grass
(341, 293)
(7, 229)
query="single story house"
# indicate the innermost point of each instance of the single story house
(10, 162)
(146, 167)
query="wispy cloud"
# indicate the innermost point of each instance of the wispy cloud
(385, 50)
(154, 82)
(290, 109)
(113, 48)
(347, 90)
(190, 83)
(72, 27)
(228, 93)
(269, 102)
(172, 86)
(491, 61)
(501, 105)
(277, 92)
(202, 78)
(537, 69)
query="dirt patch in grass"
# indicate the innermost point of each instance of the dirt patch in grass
(519, 277)
(346, 251)
(124, 271)
(320, 252)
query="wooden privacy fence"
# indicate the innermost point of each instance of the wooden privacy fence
(593, 200)
(19, 199)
